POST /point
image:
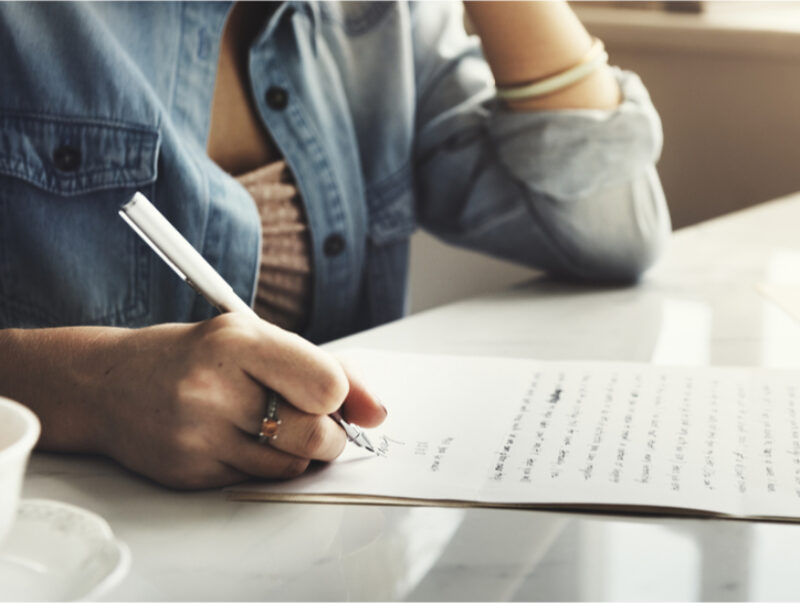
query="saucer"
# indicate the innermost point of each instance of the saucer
(59, 552)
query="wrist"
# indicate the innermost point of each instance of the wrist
(99, 384)
(526, 41)
(57, 374)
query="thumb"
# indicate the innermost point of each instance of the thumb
(361, 406)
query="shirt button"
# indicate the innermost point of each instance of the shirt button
(277, 98)
(67, 158)
(334, 245)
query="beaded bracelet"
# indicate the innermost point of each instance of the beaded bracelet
(594, 58)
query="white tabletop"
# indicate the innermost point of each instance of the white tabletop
(700, 306)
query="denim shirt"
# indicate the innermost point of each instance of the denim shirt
(386, 114)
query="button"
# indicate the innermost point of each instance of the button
(67, 158)
(277, 98)
(334, 245)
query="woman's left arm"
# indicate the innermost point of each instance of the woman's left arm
(564, 182)
(528, 41)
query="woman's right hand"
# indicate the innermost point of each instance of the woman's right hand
(183, 403)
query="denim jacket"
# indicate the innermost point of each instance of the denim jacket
(386, 114)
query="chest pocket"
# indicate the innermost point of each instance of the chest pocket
(66, 257)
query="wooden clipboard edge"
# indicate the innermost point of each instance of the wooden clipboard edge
(571, 508)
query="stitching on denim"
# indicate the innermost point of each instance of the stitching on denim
(70, 188)
(130, 308)
(14, 166)
(43, 174)
(382, 194)
(140, 274)
(49, 118)
(173, 85)
(321, 163)
(86, 189)
(140, 144)
(30, 309)
(390, 219)
(315, 150)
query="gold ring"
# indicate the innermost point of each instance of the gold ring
(270, 423)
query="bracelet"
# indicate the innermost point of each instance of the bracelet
(594, 58)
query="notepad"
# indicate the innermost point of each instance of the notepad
(505, 432)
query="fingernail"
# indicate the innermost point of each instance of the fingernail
(385, 410)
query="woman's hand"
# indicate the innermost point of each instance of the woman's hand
(183, 404)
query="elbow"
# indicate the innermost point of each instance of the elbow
(623, 231)
(625, 264)
(628, 262)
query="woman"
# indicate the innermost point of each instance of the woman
(297, 146)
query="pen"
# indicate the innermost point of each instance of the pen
(186, 261)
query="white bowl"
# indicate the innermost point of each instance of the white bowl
(19, 430)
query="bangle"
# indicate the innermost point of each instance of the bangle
(595, 57)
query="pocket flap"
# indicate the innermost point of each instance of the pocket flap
(392, 215)
(70, 156)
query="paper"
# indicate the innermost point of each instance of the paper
(516, 432)
(785, 295)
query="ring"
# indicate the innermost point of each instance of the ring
(270, 422)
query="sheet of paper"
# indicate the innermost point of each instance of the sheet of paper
(785, 295)
(500, 431)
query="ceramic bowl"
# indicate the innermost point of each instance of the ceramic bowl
(19, 430)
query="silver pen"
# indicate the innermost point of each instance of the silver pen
(186, 261)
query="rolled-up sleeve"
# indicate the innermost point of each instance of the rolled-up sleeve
(572, 191)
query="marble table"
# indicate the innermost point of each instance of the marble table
(700, 306)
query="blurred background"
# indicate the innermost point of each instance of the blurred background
(725, 78)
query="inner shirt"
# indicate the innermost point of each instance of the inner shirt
(240, 144)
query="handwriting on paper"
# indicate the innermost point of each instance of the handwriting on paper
(516, 431)
(660, 429)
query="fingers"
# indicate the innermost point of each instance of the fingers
(307, 436)
(247, 403)
(299, 440)
(308, 377)
(240, 358)
(263, 461)
(361, 406)
(192, 419)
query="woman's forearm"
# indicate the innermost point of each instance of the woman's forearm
(184, 404)
(54, 372)
(527, 41)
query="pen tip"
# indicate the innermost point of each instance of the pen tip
(367, 444)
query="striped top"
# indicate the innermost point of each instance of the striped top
(283, 294)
